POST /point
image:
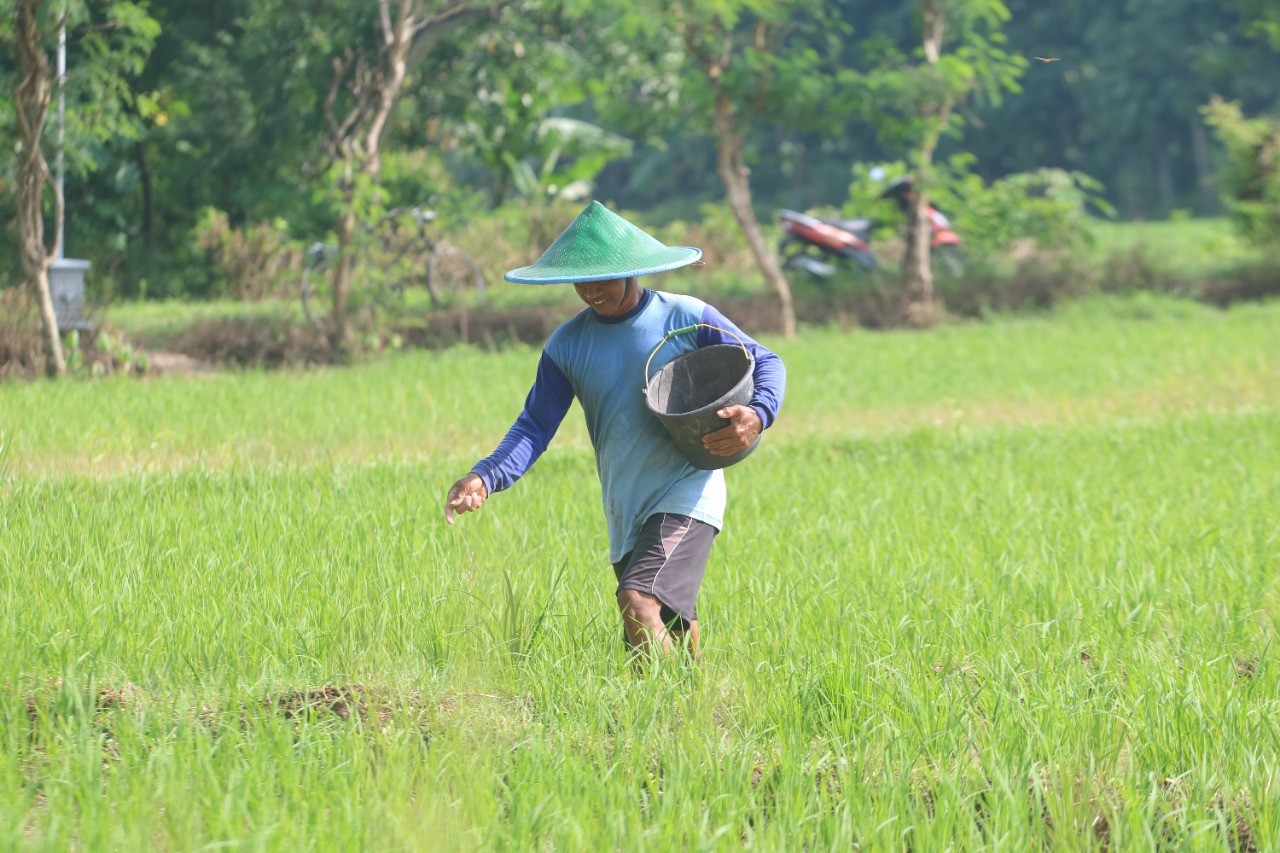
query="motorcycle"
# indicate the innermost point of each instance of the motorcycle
(819, 245)
(816, 244)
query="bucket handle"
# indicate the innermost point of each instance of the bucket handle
(684, 331)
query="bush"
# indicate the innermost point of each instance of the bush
(1250, 180)
(509, 236)
(21, 346)
(716, 232)
(1047, 209)
(519, 231)
(1043, 210)
(247, 263)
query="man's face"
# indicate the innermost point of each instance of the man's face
(611, 298)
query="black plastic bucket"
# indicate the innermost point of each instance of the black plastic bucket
(688, 391)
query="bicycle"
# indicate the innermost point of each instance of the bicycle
(390, 260)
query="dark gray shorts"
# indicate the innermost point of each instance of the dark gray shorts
(668, 562)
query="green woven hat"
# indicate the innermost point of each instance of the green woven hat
(600, 245)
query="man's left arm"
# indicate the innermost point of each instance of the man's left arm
(769, 378)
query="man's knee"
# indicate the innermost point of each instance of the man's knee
(639, 606)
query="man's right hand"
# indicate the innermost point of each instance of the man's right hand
(466, 495)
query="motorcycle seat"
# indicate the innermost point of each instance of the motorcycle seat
(857, 226)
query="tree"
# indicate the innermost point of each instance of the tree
(31, 103)
(716, 43)
(368, 74)
(505, 92)
(516, 99)
(914, 103)
(726, 66)
(114, 52)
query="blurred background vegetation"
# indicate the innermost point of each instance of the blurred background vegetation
(220, 157)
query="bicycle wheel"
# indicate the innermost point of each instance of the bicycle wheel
(450, 272)
(315, 288)
(811, 264)
(316, 297)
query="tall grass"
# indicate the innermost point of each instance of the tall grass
(1134, 355)
(1010, 586)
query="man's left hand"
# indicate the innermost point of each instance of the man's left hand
(743, 428)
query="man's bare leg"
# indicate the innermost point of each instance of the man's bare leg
(642, 622)
(645, 630)
(687, 639)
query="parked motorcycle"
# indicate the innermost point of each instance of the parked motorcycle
(817, 244)
(820, 245)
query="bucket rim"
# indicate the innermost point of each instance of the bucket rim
(685, 330)
(747, 376)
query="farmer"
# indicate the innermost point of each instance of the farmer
(662, 512)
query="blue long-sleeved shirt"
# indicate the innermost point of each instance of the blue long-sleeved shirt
(600, 361)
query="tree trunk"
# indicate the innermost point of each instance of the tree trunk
(340, 329)
(933, 19)
(49, 321)
(733, 173)
(917, 270)
(397, 38)
(31, 106)
(359, 139)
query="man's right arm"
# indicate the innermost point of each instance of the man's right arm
(544, 409)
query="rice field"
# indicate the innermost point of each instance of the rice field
(1011, 586)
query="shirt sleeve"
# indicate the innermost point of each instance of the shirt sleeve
(544, 409)
(770, 376)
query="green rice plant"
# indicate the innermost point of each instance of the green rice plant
(512, 623)
(1010, 586)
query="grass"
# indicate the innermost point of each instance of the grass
(1010, 585)
(1186, 247)
(158, 322)
(1111, 355)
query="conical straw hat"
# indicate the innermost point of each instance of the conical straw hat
(599, 245)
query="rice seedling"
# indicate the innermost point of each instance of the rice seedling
(1009, 586)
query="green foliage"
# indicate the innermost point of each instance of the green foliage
(227, 109)
(1250, 179)
(247, 263)
(421, 177)
(865, 191)
(774, 61)
(1131, 120)
(1205, 248)
(570, 155)
(507, 104)
(911, 101)
(1262, 19)
(1048, 209)
(108, 43)
(117, 357)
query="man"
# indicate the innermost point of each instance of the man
(662, 512)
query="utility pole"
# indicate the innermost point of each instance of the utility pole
(66, 275)
(62, 130)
